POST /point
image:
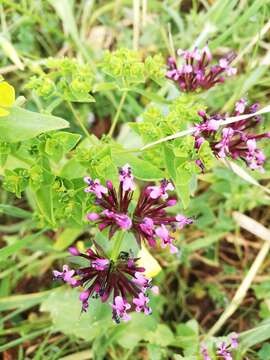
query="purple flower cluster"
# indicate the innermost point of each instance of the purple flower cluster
(149, 220)
(120, 278)
(102, 277)
(237, 139)
(196, 71)
(223, 350)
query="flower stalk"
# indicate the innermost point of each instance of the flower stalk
(115, 119)
(117, 245)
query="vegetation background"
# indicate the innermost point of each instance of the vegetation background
(39, 320)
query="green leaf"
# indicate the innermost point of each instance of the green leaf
(206, 155)
(16, 180)
(169, 161)
(204, 242)
(19, 301)
(257, 335)
(188, 337)
(15, 211)
(264, 353)
(65, 11)
(44, 200)
(10, 51)
(151, 96)
(104, 86)
(125, 66)
(64, 307)
(73, 170)
(22, 124)
(142, 169)
(61, 143)
(262, 291)
(182, 185)
(131, 333)
(162, 336)
(66, 238)
(19, 244)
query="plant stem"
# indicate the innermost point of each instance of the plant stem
(117, 245)
(115, 119)
(136, 24)
(241, 292)
(79, 121)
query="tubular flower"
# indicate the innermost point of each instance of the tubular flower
(149, 220)
(205, 353)
(196, 71)
(223, 350)
(122, 280)
(237, 140)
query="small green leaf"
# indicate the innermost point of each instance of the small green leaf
(44, 200)
(206, 155)
(16, 180)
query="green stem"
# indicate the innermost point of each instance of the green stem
(53, 105)
(117, 245)
(115, 119)
(78, 119)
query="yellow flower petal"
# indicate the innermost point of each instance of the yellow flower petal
(3, 112)
(7, 94)
(152, 267)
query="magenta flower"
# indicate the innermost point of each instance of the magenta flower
(182, 221)
(126, 178)
(156, 192)
(223, 351)
(163, 233)
(141, 304)
(103, 278)
(120, 308)
(140, 280)
(100, 264)
(205, 353)
(234, 340)
(95, 187)
(236, 141)
(149, 220)
(196, 71)
(66, 275)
